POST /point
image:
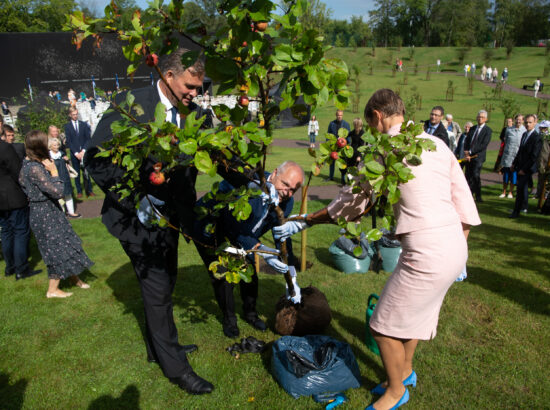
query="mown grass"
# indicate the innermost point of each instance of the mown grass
(87, 351)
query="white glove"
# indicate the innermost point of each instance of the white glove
(272, 198)
(147, 211)
(235, 251)
(283, 232)
(297, 298)
(273, 260)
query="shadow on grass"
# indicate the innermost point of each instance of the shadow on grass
(129, 399)
(533, 299)
(12, 394)
(323, 256)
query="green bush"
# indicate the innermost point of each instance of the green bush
(39, 114)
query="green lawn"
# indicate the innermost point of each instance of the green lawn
(491, 350)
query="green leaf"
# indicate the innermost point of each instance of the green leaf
(375, 167)
(160, 114)
(342, 133)
(243, 147)
(373, 235)
(188, 146)
(351, 227)
(203, 162)
(357, 251)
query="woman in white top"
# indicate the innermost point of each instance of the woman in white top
(313, 130)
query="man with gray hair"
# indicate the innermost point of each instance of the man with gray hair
(244, 236)
(152, 249)
(453, 129)
(475, 150)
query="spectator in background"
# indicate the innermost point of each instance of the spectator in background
(505, 74)
(8, 135)
(14, 215)
(459, 150)
(453, 130)
(434, 126)
(5, 108)
(61, 161)
(536, 86)
(356, 141)
(489, 73)
(78, 135)
(509, 123)
(475, 151)
(525, 163)
(473, 68)
(483, 72)
(512, 139)
(333, 128)
(53, 132)
(544, 159)
(495, 75)
(312, 130)
(59, 245)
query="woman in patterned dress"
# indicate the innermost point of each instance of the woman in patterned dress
(59, 245)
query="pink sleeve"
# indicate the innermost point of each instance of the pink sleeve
(461, 196)
(348, 205)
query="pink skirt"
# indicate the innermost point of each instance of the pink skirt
(430, 262)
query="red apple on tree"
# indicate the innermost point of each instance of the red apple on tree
(260, 25)
(334, 155)
(156, 178)
(243, 100)
(245, 43)
(152, 60)
(341, 142)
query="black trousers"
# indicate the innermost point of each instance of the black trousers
(522, 193)
(156, 271)
(223, 290)
(473, 176)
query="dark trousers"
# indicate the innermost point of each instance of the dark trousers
(156, 271)
(522, 193)
(223, 290)
(75, 162)
(473, 176)
(15, 239)
(331, 170)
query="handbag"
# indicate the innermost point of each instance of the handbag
(72, 171)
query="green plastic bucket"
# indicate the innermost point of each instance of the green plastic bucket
(347, 263)
(390, 256)
(369, 339)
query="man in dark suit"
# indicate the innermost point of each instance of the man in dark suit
(525, 164)
(77, 135)
(435, 127)
(153, 249)
(245, 235)
(476, 144)
(8, 135)
(14, 214)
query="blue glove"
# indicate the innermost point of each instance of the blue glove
(273, 260)
(283, 232)
(146, 213)
(297, 298)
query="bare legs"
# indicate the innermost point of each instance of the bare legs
(397, 356)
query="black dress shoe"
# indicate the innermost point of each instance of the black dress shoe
(256, 322)
(230, 328)
(189, 348)
(193, 383)
(27, 274)
(9, 273)
(514, 215)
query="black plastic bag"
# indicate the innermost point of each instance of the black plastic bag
(314, 364)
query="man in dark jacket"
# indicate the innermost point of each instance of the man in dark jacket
(435, 127)
(14, 214)
(333, 128)
(525, 164)
(475, 151)
(77, 135)
(153, 249)
(245, 235)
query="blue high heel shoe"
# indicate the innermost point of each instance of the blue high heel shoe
(402, 400)
(409, 381)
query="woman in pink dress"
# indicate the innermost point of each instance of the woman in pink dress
(433, 216)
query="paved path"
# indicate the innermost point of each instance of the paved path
(92, 208)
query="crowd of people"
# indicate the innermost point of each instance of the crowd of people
(434, 216)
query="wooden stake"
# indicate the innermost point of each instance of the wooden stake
(303, 259)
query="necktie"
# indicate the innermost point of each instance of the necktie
(76, 126)
(524, 138)
(474, 137)
(174, 115)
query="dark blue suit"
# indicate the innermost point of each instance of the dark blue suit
(526, 161)
(76, 143)
(333, 128)
(241, 234)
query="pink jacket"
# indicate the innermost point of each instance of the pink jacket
(437, 196)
